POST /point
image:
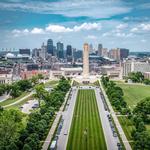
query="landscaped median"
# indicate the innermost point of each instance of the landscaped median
(86, 130)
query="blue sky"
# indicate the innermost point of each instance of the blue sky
(114, 23)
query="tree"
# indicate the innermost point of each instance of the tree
(27, 147)
(143, 109)
(15, 90)
(24, 84)
(142, 140)
(10, 126)
(40, 93)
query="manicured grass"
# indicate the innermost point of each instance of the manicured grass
(86, 130)
(18, 105)
(12, 100)
(52, 83)
(134, 93)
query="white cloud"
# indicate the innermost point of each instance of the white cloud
(88, 26)
(145, 27)
(91, 37)
(121, 26)
(84, 26)
(37, 31)
(58, 28)
(134, 29)
(15, 31)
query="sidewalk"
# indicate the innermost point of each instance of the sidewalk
(119, 128)
(21, 99)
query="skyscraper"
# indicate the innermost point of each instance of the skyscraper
(100, 46)
(85, 60)
(90, 48)
(124, 53)
(42, 52)
(60, 50)
(69, 50)
(118, 53)
(50, 47)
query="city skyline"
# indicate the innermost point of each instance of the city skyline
(124, 24)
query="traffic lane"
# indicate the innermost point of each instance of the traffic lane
(67, 119)
(111, 141)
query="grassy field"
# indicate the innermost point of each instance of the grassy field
(51, 83)
(86, 130)
(12, 100)
(133, 93)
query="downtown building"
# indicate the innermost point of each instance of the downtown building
(129, 66)
(118, 54)
(69, 53)
(60, 50)
(50, 47)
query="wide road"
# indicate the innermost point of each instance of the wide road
(111, 141)
(67, 119)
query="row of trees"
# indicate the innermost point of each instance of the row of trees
(16, 88)
(138, 77)
(115, 95)
(15, 136)
(140, 117)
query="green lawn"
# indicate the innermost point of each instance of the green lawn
(52, 83)
(18, 105)
(133, 93)
(86, 130)
(12, 100)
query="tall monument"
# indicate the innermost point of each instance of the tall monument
(86, 60)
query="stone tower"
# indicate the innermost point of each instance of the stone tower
(86, 60)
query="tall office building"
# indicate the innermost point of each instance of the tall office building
(86, 60)
(124, 53)
(104, 52)
(118, 53)
(69, 50)
(91, 50)
(100, 47)
(42, 52)
(50, 48)
(60, 50)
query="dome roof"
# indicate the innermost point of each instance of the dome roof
(10, 55)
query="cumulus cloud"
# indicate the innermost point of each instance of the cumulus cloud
(84, 26)
(144, 27)
(121, 26)
(37, 31)
(59, 29)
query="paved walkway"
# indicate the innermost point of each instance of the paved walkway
(120, 130)
(111, 141)
(67, 119)
(20, 100)
(54, 125)
(4, 97)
